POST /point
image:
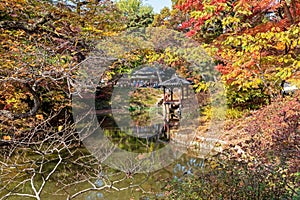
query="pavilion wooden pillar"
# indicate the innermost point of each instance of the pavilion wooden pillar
(165, 107)
(167, 128)
(182, 92)
(187, 91)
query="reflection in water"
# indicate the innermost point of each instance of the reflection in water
(138, 139)
(186, 166)
(134, 120)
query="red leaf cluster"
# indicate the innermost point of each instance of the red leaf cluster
(275, 131)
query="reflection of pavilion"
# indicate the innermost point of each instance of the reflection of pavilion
(145, 132)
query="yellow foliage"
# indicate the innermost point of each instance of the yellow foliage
(6, 137)
(213, 164)
(280, 46)
(40, 117)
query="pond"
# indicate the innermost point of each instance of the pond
(149, 185)
(133, 122)
(139, 128)
(154, 186)
(135, 125)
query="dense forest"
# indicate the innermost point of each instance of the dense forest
(252, 48)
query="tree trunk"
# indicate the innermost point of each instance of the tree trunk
(293, 7)
(287, 12)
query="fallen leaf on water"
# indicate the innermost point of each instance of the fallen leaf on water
(6, 137)
(59, 128)
(40, 117)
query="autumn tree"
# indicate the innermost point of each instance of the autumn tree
(136, 13)
(254, 43)
(168, 18)
(255, 46)
(40, 49)
(42, 45)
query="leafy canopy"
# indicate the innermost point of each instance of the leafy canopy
(255, 43)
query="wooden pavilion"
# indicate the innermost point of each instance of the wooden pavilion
(147, 76)
(173, 105)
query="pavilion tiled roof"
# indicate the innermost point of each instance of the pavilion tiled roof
(175, 81)
(147, 73)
